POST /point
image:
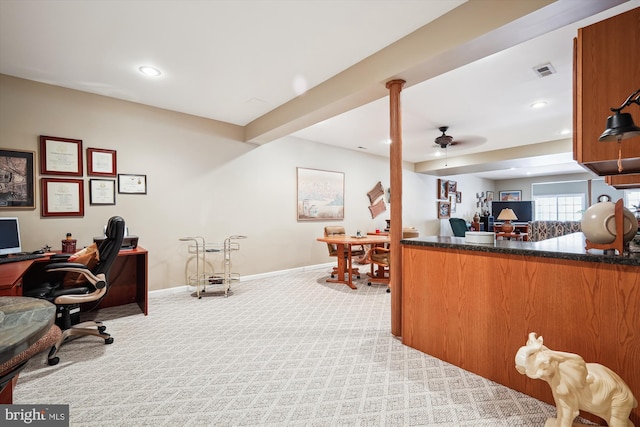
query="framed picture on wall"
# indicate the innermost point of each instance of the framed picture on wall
(132, 184)
(444, 210)
(320, 195)
(62, 197)
(453, 187)
(489, 196)
(60, 156)
(459, 196)
(101, 162)
(511, 195)
(453, 202)
(16, 179)
(443, 189)
(102, 191)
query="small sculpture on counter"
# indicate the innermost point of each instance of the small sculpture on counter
(576, 385)
(475, 225)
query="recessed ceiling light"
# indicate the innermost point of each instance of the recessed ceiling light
(538, 104)
(149, 71)
(565, 131)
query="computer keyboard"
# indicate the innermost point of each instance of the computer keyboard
(17, 258)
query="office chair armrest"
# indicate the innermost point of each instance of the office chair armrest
(54, 266)
(98, 282)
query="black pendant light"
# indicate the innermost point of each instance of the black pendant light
(620, 125)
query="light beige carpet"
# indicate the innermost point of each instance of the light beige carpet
(290, 350)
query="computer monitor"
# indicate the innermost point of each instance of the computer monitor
(9, 236)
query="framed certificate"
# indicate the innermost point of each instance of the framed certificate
(101, 162)
(102, 191)
(60, 156)
(132, 184)
(62, 197)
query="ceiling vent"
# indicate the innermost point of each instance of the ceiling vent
(544, 70)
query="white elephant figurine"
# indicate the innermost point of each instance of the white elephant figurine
(577, 385)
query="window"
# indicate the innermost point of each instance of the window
(631, 199)
(559, 207)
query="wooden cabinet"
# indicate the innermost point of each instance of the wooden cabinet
(477, 314)
(606, 72)
(622, 182)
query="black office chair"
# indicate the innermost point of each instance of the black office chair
(459, 226)
(68, 300)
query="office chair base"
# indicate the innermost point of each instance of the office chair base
(76, 331)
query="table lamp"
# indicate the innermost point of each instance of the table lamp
(507, 215)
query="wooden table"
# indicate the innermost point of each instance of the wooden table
(23, 321)
(512, 236)
(344, 265)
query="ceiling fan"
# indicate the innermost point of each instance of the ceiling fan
(444, 140)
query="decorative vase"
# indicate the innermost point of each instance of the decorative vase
(599, 225)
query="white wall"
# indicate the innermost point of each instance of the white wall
(202, 180)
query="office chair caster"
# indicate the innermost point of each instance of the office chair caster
(53, 361)
(388, 290)
(108, 340)
(101, 329)
(368, 283)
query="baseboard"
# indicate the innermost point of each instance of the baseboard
(185, 288)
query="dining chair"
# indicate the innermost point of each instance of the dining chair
(380, 255)
(356, 250)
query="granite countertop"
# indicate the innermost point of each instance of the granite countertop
(571, 247)
(23, 321)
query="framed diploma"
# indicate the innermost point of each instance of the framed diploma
(102, 191)
(60, 156)
(101, 162)
(16, 180)
(62, 197)
(132, 184)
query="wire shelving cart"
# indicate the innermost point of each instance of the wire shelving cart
(201, 278)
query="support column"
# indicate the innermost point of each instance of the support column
(395, 165)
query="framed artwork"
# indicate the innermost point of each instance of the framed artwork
(60, 156)
(17, 187)
(489, 196)
(453, 187)
(132, 184)
(101, 162)
(459, 196)
(511, 195)
(102, 191)
(62, 197)
(444, 210)
(320, 195)
(443, 189)
(453, 202)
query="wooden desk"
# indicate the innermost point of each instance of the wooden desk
(128, 282)
(344, 266)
